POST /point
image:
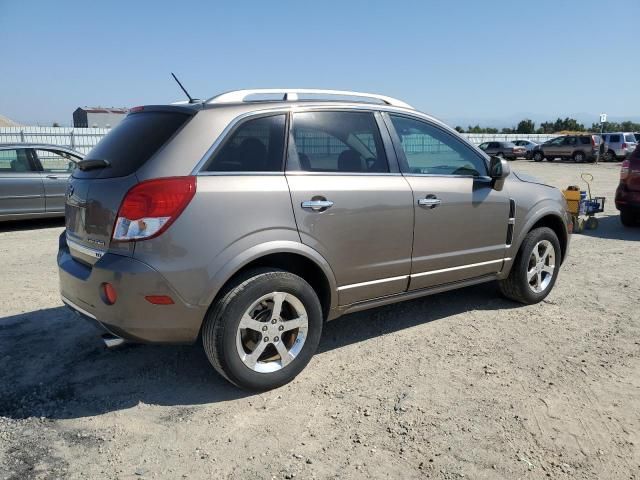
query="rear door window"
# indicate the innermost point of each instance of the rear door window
(132, 142)
(257, 145)
(337, 142)
(614, 138)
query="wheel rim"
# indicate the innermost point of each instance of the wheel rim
(579, 157)
(542, 264)
(272, 332)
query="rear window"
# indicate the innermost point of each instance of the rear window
(630, 137)
(132, 142)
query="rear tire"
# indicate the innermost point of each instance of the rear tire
(610, 156)
(629, 218)
(538, 156)
(535, 269)
(252, 345)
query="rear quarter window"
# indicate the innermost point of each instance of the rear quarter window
(132, 142)
(630, 137)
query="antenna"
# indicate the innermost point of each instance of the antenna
(191, 100)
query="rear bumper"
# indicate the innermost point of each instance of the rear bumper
(131, 316)
(626, 198)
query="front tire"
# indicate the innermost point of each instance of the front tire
(535, 268)
(264, 329)
(538, 156)
(579, 157)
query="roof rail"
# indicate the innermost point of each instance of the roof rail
(291, 95)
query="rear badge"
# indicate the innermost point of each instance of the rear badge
(99, 243)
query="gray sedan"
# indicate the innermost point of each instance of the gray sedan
(33, 179)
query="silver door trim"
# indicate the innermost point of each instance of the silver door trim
(373, 282)
(73, 306)
(460, 267)
(20, 197)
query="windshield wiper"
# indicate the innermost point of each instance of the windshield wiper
(93, 164)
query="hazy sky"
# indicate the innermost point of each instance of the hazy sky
(483, 61)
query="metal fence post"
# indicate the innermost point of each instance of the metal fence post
(22, 136)
(72, 140)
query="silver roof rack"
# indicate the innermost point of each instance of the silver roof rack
(291, 95)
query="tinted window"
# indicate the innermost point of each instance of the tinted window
(15, 161)
(629, 137)
(56, 161)
(637, 135)
(133, 141)
(614, 138)
(585, 140)
(338, 142)
(431, 150)
(255, 146)
(570, 141)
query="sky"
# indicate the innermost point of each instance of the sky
(465, 61)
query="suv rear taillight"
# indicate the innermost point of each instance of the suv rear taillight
(593, 141)
(624, 169)
(624, 145)
(151, 206)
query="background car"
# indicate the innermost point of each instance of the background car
(33, 179)
(528, 145)
(579, 148)
(628, 192)
(618, 145)
(506, 150)
(637, 135)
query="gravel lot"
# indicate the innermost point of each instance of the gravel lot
(461, 384)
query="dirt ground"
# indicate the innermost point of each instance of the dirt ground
(461, 384)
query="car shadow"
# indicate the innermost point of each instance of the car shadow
(38, 224)
(53, 364)
(610, 227)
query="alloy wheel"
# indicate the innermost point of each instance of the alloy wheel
(542, 264)
(272, 332)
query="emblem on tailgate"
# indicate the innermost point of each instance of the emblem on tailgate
(99, 243)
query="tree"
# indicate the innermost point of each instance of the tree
(459, 129)
(55, 124)
(526, 126)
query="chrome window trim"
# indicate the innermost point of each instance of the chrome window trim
(240, 174)
(343, 174)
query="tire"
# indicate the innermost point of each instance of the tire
(629, 218)
(223, 337)
(538, 156)
(516, 286)
(610, 156)
(579, 157)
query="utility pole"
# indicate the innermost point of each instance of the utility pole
(603, 119)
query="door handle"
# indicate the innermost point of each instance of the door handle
(317, 205)
(52, 177)
(430, 201)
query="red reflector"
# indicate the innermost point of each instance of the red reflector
(164, 197)
(109, 295)
(159, 299)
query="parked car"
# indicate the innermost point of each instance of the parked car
(637, 135)
(206, 223)
(628, 192)
(528, 145)
(506, 150)
(579, 148)
(618, 145)
(33, 179)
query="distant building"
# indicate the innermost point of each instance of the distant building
(98, 117)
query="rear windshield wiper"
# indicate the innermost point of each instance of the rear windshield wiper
(93, 164)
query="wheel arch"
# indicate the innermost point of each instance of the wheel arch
(293, 257)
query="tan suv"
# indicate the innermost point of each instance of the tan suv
(247, 223)
(579, 148)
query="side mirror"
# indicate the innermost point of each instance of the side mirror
(499, 169)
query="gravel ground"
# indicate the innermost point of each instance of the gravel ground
(461, 384)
